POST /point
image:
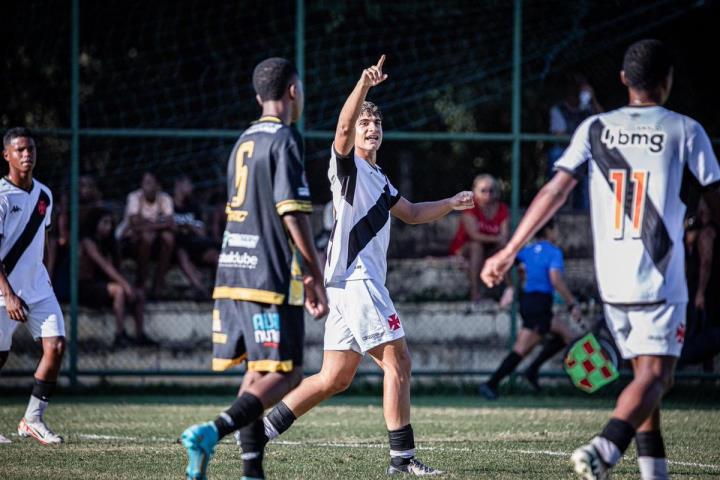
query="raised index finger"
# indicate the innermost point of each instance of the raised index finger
(381, 61)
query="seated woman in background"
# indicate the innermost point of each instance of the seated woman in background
(102, 284)
(483, 229)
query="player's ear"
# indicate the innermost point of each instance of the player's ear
(623, 79)
(292, 90)
(258, 99)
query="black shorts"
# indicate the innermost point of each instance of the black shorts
(536, 311)
(270, 337)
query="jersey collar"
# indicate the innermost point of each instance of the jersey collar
(7, 179)
(268, 118)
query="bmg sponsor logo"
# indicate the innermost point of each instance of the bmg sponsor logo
(267, 329)
(643, 137)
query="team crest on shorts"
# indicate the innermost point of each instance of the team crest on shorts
(394, 322)
(680, 334)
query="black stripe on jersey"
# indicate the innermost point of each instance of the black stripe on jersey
(347, 174)
(28, 234)
(368, 226)
(654, 235)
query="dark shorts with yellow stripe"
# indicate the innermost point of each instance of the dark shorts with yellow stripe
(270, 337)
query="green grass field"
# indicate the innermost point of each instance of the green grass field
(519, 437)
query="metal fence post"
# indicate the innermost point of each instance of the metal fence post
(300, 47)
(74, 200)
(516, 133)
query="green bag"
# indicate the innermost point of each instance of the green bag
(587, 365)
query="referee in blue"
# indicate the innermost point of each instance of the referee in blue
(541, 266)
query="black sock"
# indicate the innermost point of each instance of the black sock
(246, 409)
(650, 444)
(252, 442)
(43, 390)
(506, 367)
(619, 432)
(402, 445)
(548, 351)
(281, 417)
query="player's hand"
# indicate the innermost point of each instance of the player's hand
(374, 75)
(576, 312)
(462, 201)
(493, 272)
(700, 300)
(16, 308)
(315, 297)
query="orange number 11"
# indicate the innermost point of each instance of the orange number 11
(639, 178)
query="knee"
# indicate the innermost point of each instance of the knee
(398, 367)
(54, 347)
(116, 291)
(167, 238)
(336, 382)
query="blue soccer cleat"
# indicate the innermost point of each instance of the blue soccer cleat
(199, 441)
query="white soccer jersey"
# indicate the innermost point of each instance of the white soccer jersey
(24, 216)
(362, 198)
(639, 159)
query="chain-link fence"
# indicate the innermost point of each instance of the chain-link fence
(164, 87)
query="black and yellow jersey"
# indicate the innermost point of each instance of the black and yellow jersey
(266, 179)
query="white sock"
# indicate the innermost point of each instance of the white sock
(402, 453)
(653, 468)
(270, 430)
(608, 451)
(35, 409)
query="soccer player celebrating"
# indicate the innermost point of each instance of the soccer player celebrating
(25, 290)
(636, 158)
(267, 256)
(362, 317)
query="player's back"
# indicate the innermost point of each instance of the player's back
(265, 181)
(639, 159)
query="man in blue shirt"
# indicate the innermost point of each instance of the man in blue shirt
(541, 264)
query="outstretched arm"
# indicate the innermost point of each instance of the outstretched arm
(425, 212)
(345, 131)
(548, 200)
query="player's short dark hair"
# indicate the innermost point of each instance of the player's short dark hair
(16, 132)
(549, 225)
(647, 64)
(272, 77)
(370, 109)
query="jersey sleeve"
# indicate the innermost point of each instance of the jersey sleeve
(574, 159)
(167, 208)
(343, 165)
(700, 155)
(394, 194)
(3, 212)
(556, 260)
(48, 212)
(133, 205)
(290, 189)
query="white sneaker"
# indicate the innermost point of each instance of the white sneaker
(588, 464)
(4, 439)
(39, 431)
(415, 467)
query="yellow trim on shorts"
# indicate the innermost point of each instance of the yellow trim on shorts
(220, 364)
(293, 206)
(270, 366)
(249, 295)
(220, 338)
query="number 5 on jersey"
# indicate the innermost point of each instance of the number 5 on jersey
(245, 150)
(618, 180)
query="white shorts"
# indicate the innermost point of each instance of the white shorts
(45, 319)
(361, 317)
(647, 330)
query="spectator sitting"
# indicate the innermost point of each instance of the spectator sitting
(194, 247)
(89, 198)
(101, 283)
(483, 229)
(149, 227)
(578, 103)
